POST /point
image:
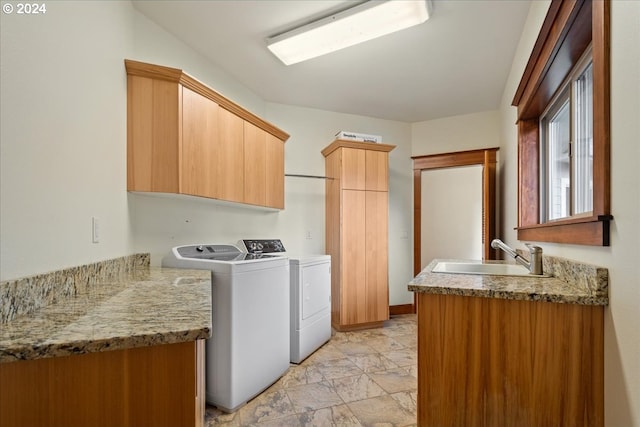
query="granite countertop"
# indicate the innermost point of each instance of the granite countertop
(145, 307)
(575, 289)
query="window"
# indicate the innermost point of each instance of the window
(563, 103)
(566, 136)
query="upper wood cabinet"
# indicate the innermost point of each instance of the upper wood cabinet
(185, 138)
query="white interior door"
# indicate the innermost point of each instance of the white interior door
(451, 213)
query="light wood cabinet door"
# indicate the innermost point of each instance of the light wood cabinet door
(229, 171)
(152, 148)
(263, 168)
(146, 386)
(365, 294)
(200, 145)
(353, 293)
(376, 170)
(376, 244)
(275, 172)
(255, 166)
(495, 362)
(353, 168)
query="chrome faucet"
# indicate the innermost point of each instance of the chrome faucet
(535, 256)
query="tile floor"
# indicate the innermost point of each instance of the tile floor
(361, 378)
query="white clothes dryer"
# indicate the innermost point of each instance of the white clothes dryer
(310, 283)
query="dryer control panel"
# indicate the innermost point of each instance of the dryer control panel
(262, 246)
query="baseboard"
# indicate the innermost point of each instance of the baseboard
(401, 309)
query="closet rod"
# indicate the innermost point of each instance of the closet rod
(307, 176)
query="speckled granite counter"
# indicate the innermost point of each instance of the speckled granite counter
(143, 307)
(572, 283)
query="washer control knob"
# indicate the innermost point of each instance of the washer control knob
(199, 248)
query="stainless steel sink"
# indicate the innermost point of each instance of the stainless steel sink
(478, 267)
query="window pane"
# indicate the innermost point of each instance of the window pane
(558, 166)
(583, 144)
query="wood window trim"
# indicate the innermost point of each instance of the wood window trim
(568, 29)
(487, 158)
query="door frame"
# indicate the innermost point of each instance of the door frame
(487, 158)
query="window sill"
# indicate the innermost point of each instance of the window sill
(593, 230)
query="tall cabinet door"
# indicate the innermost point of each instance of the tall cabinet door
(376, 244)
(353, 263)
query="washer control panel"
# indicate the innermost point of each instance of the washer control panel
(263, 246)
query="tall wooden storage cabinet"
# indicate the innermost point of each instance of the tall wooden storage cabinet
(357, 210)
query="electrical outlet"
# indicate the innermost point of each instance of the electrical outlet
(308, 235)
(95, 230)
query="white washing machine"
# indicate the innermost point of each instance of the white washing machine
(249, 345)
(310, 282)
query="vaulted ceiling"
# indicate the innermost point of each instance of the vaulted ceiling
(455, 63)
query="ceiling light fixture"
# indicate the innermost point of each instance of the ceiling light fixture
(358, 24)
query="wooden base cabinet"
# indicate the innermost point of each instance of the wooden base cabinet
(148, 386)
(357, 233)
(494, 362)
(185, 138)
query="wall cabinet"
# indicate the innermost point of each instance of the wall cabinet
(357, 232)
(185, 138)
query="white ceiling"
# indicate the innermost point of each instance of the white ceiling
(455, 63)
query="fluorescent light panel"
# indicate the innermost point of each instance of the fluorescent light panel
(364, 22)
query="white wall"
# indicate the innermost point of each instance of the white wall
(458, 133)
(63, 136)
(622, 335)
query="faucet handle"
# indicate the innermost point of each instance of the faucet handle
(533, 249)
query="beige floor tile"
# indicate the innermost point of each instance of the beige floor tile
(266, 407)
(216, 417)
(395, 380)
(332, 369)
(339, 415)
(358, 387)
(300, 374)
(403, 357)
(382, 411)
(408, 400)
(288, 421)
(384, 344)
(408, 340)
(314, 396)
(354, 348)
(372, 362)
(328, 351)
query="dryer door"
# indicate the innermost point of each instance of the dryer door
(316, 289)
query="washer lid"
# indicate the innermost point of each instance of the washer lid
(218, 253)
